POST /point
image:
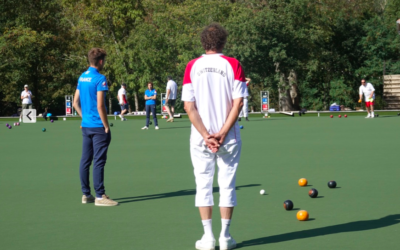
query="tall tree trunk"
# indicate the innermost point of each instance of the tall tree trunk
(136, 101)
(109, 105)
(285, 101)
(294, 91)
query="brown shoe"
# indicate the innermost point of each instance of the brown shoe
(89, 199)
(105, 202)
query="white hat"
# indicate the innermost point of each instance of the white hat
(26, 85)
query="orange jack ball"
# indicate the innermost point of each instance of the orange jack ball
(302, 215)
(303, 182)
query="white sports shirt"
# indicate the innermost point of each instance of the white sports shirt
(173, 87)
(212, 82)
(122, 100)
(26, 100)
(367, 90)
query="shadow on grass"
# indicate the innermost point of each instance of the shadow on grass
(172, 194)
(175, 127)
(263, 119)
(387, 116)
(322, 231)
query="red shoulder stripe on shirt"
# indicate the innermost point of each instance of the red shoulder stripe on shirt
(186, 77)
(237, 68)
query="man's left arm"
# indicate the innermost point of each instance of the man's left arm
(167, 96)
(373, 92)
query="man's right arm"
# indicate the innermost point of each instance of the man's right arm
(77, 103)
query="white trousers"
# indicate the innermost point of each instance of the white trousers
(203, 160)
(245, 109)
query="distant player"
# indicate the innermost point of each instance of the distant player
(90, 103)
(123, 101)
(172, 90)
(150, 95)
(213, 89)
(245, 110)
(398, 25)
(369, 93)
(26, 97)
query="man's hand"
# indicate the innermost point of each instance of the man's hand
(107, 129)
(219, 137)
(212, 144)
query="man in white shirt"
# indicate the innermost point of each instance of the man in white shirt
(369, 93)
(172, 90)
(123, 101)
(245, 110)
(213, 89)
(26, 97)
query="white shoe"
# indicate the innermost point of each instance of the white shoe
(157, 128)
(368, 116)
(120, 116)
(145, 127)
(205, 244)
(227, 243)
(20, 120)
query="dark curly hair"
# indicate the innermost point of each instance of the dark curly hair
(213, 37)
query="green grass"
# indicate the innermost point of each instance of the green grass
(150, 173)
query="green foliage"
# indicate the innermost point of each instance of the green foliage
(329, 44)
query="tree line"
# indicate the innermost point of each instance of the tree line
(306, 53)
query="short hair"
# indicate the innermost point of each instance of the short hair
(123, 84)
(152, 86)
(213, 37)
(363, 79)
(95, 55)
(169, 77)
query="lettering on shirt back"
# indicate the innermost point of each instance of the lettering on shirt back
(85, 79)
(212, 70)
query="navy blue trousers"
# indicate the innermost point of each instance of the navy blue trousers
(94, 148)
(152, 109)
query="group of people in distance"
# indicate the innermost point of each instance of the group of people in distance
(214, 89)
(150, 96)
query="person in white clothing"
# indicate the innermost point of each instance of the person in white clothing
(26, 97)
(369, 93)
(170, 100)
(123, 101)
(213, 89)
(245, 110)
